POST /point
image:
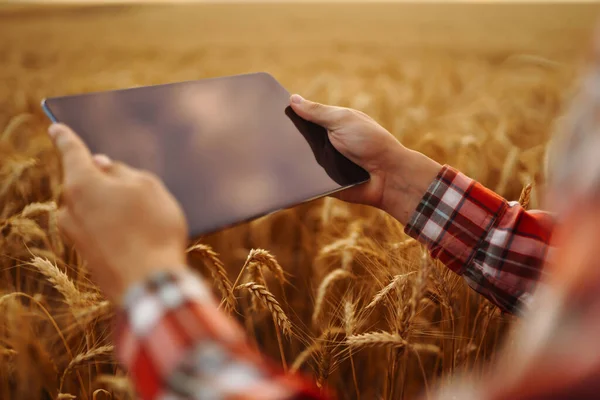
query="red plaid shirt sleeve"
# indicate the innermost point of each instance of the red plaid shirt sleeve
(177, 344)
(497, 246)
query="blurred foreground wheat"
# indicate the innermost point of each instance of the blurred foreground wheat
(328, 289)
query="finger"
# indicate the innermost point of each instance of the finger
(103, 162)
(76, 158)
(111, 167)
(121, 170)
(329, 117)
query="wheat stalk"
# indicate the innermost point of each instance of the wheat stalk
(218, 272)
(94, 312)
(379, 296)
(17, 168)
(347, 246)
(350, 326)
(330, 279)
(83, 358)
(256, 260)
(255, 275)
(405, 244)
(304, 356)
(324, 364)
(34, 209)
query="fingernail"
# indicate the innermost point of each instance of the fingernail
(297, 99)
(102, 160)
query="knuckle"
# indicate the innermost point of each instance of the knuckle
(316, 107)
(343, 116)
(147, 179)
(347, 113)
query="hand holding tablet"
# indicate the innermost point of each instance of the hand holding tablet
(229, 149)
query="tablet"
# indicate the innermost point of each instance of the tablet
(229, 149)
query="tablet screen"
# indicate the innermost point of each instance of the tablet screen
(229, 149)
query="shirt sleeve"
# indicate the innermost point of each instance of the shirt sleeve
(176, 344)
(497, 246)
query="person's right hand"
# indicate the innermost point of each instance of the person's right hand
(123, 221)
(399, 176)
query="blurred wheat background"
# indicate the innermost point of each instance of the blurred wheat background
(336, 292)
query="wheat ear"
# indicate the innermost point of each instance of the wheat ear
(262, 258)
(525, 196)
(387, 289)
(63, 284)
(272, 304)
(376, 339)
(388, 339)
(324, 363)
(217, 270)
(82, 358)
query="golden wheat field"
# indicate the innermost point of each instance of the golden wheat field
(349, 299)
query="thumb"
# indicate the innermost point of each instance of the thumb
(75, 156)
(329, 117)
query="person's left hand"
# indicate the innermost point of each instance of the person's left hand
(399, 177)
(123, 221)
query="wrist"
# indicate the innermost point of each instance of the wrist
(408, 178)
(145, 267)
